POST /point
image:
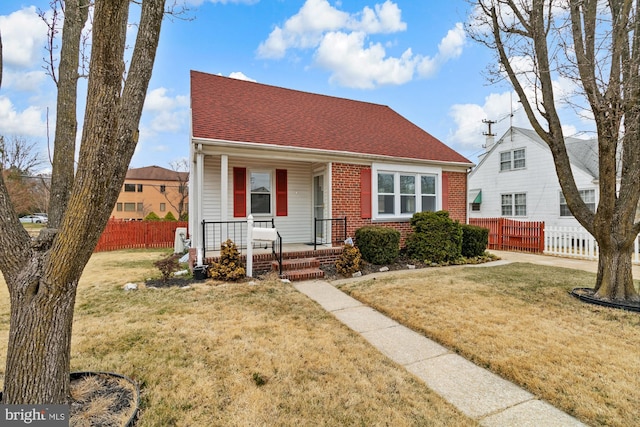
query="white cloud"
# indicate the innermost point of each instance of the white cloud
(199, 2)
(316, 18)
(24, 36)
(304, 29)
(342, 46)
(157, 100)
(354, 65)
(468, 119)
(28, 81)
(241, 76)
(386, 18)
(450, 47)
(26, 123)
(164, 113)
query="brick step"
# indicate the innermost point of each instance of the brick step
(296, 264)
(303, 274)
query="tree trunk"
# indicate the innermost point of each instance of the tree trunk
(615, 276)
(39, 339)
(42, 274)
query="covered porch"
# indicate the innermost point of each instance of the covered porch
(292, 196)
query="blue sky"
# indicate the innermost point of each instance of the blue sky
(410, 55)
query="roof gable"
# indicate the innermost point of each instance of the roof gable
(228, 109)
(583, 153)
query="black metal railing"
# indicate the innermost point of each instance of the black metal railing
(276, 250)
(329, 231)
(214, 233)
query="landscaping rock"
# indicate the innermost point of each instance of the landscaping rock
(130, 287)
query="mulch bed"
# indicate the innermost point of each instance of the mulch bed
(402, 263)
(173, 282)
(102, 399)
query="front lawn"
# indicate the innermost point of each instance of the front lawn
(235, 354)
(519, 321)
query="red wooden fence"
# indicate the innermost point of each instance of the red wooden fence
(138, 235)
(510, 235)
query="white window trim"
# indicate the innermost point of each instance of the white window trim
(570, 216)
(513, 204)
(512, 160)
(398, 170)
(271, 174)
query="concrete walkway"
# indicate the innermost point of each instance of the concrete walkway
(475, 391)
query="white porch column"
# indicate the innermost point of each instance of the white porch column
(199, 214)
(249, 269)
(224, 187)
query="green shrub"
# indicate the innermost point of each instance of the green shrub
(349, 261)
(378, 245)
(169, 217)
(436, 238)
(229, 268)
(474, 241)
(152, 216)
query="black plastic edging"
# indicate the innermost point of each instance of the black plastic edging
(630, 306)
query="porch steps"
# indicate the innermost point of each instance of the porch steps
(300, 269)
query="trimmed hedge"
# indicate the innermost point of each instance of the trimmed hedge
(378, 245)
(436, 238)
(474, 241)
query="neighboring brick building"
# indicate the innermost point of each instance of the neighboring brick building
(152, 189)
(294, 157)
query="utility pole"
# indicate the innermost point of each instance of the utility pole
(489, 123)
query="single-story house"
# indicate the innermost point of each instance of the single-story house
(310, 165)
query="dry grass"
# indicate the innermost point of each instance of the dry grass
(519, 321)
(235, 354)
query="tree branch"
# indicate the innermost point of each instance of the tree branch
(75, 16)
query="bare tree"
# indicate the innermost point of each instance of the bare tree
(42, 275)
(19, 154)
(178, 199)
(597, 44)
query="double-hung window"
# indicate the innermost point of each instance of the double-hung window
(513, 159)
(514, 204)
(588, 197)
(261, 193)
(407, 194)
(428, 192)
(401, 194)
(386, 194)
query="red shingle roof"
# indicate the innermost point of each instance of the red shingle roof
(236, 110)
(156, 173)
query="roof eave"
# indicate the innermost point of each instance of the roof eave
(320, 152)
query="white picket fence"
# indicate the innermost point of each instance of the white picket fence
(576, 242)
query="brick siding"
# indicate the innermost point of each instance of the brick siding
(457, 196)
(345, 194)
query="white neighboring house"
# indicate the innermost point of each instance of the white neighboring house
(516, 179)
